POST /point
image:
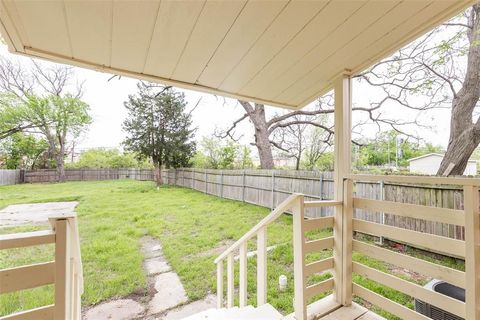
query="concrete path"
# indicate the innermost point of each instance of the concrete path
(167, 299)
(34, 213)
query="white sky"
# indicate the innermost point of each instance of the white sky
(106, 102)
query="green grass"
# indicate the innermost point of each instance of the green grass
(114, 215)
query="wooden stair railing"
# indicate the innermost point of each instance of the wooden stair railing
(296, 204)
(65, 273)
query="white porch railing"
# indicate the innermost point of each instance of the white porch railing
(301, 248)
(344, 225)
(65, 273)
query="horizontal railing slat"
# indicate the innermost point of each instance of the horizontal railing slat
(443, 215)
(321, 287)
(322, 203)
(442, 301)
(433, 270)
(318, 266)
(386, 304)
(318, 223)
(26, 239)
(319, 245)
(27, 277)
(443, 245)
(460, 181)
(41, 313)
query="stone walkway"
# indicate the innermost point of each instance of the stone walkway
(166, 301)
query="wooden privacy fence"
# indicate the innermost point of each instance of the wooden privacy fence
(51, 175)
(10, 176)
(268, 188)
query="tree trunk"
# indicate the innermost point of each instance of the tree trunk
(61, 167)
(262, 140)
(158, 173)
(464, 134)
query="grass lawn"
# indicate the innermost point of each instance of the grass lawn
(114, 215)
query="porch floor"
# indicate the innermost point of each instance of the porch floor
(354, 312)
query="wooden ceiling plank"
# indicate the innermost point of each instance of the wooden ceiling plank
(89, 26)
(254, 19)
(292, 20)
(215, 21)
(313, 34)
(44, 22)
(354, 58)
(133, 25)
(295, 78)
(175, 22)
(17, 37)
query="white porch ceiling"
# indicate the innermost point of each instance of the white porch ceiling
(277, 52)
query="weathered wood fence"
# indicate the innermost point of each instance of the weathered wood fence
(268, 188)
(10, 177)
(49, 175)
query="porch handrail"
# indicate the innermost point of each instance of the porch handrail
(65, 272)
(456, 180)
(272, 216)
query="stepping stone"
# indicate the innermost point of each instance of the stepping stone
(156, 265)
(170, 293)
(124, 309)
(209, 302)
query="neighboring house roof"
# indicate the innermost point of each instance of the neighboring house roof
(281, 53)
(434, 155)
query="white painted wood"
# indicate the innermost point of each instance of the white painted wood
(322, 203)
(426, 268)
(451, 247)
(342, 167)
(386, 304)
(220, 284)
(26, 239)
(243, 275)
(318, 223)
(278, 211)
(319, 245)
(62, 270)
(318, 288)
(347, 243)
(461, 181)
(472, 256)
(443, 215)
(26, 277)
(439, 300)
(262, 266)
(41, 313)
(318, 266)
(230, 281)
(299, 260)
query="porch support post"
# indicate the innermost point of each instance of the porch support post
(342, 167)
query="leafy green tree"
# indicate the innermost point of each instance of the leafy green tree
(158, 127)
(22, 151)
(102, 158)
(215, 153)
(58, 118)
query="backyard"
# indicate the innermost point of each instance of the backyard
(193, 228)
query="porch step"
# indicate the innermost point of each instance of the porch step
(264, 312)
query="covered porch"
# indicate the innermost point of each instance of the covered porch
(279, 53)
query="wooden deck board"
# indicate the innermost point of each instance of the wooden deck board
(354, 312)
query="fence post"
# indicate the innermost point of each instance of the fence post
(243, 186)
(193, 178)
(472, 251)
(206, 182)
(273, 189)
(347, 243)
(221, 184)
(382, 214)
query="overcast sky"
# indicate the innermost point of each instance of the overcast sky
(106, 102)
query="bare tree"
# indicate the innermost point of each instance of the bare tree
(440, 70)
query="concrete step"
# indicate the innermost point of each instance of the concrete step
(264, 312)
